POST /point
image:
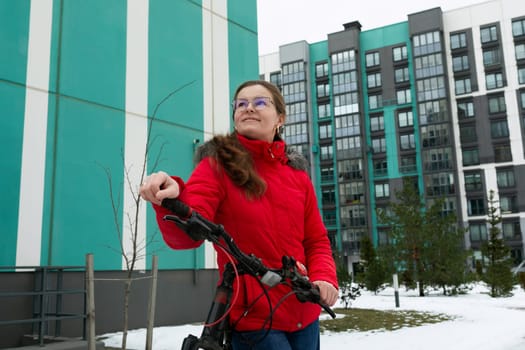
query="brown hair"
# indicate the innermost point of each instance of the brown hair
(236, 161)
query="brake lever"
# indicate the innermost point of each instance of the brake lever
(306, 290)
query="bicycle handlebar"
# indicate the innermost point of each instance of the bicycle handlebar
(199, 228)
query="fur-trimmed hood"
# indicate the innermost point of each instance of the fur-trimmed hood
(295, 159)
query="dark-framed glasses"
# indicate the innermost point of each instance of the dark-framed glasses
(259, 103)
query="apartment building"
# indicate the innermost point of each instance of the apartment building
(439, 98)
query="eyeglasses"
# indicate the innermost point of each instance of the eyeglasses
(259, 103)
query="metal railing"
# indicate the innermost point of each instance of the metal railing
(48, 291)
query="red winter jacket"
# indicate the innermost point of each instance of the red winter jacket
(284, 221)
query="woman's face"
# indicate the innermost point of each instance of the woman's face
(255, 115)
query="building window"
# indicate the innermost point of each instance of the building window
(505, 178)
(351, 192)
(380, 167)
(405, 119)
(403, 96)
(294, 71)
(502, 153)
(372, 59)
(437, 159)
(511, 230)
(434, 135)
(375, 101)
(473, 182)
(347, 125)
(518, 27)
(507, 204)
(431, 89)
(382, 190)
(344, 82)
(350, 169)
(460, 63)
(427, 43)
(494, 80)
(440, 184)
(429, 66)
(325, 131)
(296, 133)
(294, 92)
(520, 51)
(327, 173)
(323, 110)
(296, 112)
(478, 232)
(462, 86)
(467, 133)
(374, 80)
(433, 112)
(348, 147)
(407, 141)
(401, 75)
(489, 34)
(497, 104)
(328, 195)
(476, 206)
(323, 90)
(499, 128)
(400, 53)
(379, 145)
(521, 75)
(408, 164)
(275, 78)
(491, 57)
(458, 40)
(321, 70)
(343, 61)
(329, 218)
(470, 157)
(522, 99)
(326, 152)
(465, 109)
(346, 104)
(351, 216)
(377, 123)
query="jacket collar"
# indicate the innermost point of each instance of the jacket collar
(275, 151)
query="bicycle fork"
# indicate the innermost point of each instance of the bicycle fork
(215, 335)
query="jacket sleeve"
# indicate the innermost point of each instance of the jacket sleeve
(318, 252)
(203, 192)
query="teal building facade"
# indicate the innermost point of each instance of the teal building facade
(94, 95)
(87, 88)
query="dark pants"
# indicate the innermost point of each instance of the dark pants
(305, 339)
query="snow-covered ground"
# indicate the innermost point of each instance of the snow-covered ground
(479, 323)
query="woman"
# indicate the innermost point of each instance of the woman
(262, 195)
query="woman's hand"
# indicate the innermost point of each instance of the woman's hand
(158, 186)
(329, 294)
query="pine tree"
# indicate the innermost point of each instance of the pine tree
(405, 221)
(375, 272)
(498, 263)
(445, 255)
(427, 244)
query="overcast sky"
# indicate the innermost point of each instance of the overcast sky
(286, 21)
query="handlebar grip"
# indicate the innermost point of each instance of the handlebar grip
(177, 206)
(318, 301)
(328, 310)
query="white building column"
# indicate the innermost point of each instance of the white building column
(31, 204)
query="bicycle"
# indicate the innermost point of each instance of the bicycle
(216, 334)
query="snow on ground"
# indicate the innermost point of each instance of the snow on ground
(480, 323)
